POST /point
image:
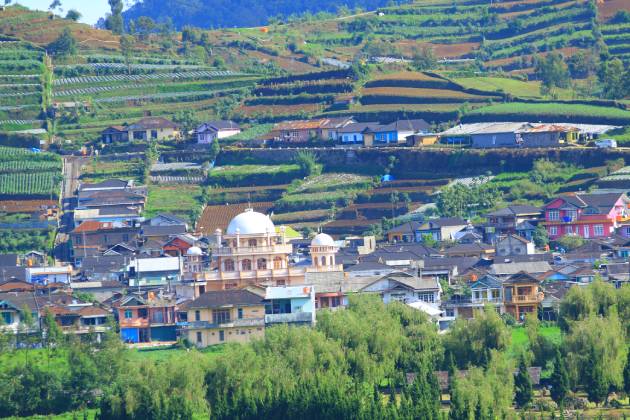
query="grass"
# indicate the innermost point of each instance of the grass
(163, 354)
(97, 171)
(520, 340)
(622, 135)
(333, 181)
(180, 200)
(514, 87)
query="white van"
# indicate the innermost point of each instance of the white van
(606, 143)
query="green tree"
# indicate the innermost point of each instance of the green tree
(559, 380)
(540, 237)
(73, 15)
(471, 341)
(26, 329)
(307, 161)
(187, 121)
(424, 59)
(214, 151)
(64, 45)
(114, 21)
(611, 76)
(571, 242)
(596, 354)
(127, 45)
(522, 386)
(626, 376)
(552, 71)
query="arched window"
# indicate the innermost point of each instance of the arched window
(261, 264)
(246, 265)
(277, 263)
(228, 265)
(323, 260)
(252, 242)
(330, 259)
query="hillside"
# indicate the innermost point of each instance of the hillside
(238, 13)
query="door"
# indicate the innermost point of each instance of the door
(221, 335)
(587, 231)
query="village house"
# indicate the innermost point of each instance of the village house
(514, 245)
(354, 133)
(405, 288)
(405, 232)
(442, 229)
(146, 317)
(395, 133)
(586, 215)
(522, 295)
(12, 307)
(293, 305)
(153, 128)
(223, 316)
(310, 130)
(474, 249)
(94, 238)
(161, 271)
(208, 131)
(115, 134)
(510, 134)
(487, 290)
(519, 219)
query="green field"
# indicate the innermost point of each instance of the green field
(514, 87)
(180, 200)
(551, 110)
(520, 340)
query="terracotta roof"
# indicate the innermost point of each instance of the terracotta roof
(92, 311)
(26, 206)
(152, 122)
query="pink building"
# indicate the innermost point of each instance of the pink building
(586, 215)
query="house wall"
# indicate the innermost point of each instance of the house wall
(160, 134)
(587, 226)
(228, 133)
(549, 139)
(206, 137)
(352, 137)
(232, 334)
(494, 140)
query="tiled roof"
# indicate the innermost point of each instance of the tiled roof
(151, 123)
(225, 297)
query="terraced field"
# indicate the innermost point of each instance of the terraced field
(29, 175)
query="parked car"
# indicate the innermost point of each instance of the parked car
(606, 143)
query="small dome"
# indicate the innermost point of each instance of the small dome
(194, 251)
(322, 239)
(250, 223)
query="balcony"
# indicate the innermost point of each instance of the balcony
(530, 298)
(134, 323)
(253, 250)
(246, 322)
(252, 275)
(297, 317)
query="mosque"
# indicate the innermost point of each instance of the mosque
(253, 253)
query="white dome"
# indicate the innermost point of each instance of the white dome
(322, 239)
(194, 251)
(250, 223)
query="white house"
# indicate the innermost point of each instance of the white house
(403, 287)
(208, 131)
(514, 245)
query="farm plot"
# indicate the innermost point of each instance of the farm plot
(25, 174)
(203, 74)
(334, 181)
(244, 175)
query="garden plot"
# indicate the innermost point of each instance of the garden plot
(27, 174)
(123, 66)
(140, 77)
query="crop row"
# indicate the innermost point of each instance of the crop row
(23, 166)
(138, 77)
(196, 95)
(18, 94)
(97, 89)
(30, 184)
(16, 153)
(123, 66)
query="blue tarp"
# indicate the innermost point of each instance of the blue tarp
(387, 178)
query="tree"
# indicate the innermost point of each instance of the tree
(394, 199)
(522, 386)
(471, 341)
(64, 45)
(115, 21)
(540, 237)
(54, 5)
(187, 120)
(53, 333)
(307, 161)
(127, 44)
(559, 380)
(571, 242)
(25, 329)
(611, 76)
(144, 26)
(424, 59)
(73, 14)
(461, 200)
(596, 354)
(214, 151)
(626, 376)
(552, 71)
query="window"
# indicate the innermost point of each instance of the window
(569, 230)
(197, 316)
(277, 263)
(334, 302)
(221, 335)
(426, 297)
(199, 339)
(7, 317)
(571, 214)
(220, 316)
(598, 230)
(228, 265)
(553, 215)
(553, 230)
(246, 265)
(139, 135)
(154, 134)
(323, 260)
(261, 264)
(398, 297)
(496, 294)
(450, 312)
(240, 313)
(252, 242)
(627, 230)
(587, 231)
(128, 314)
